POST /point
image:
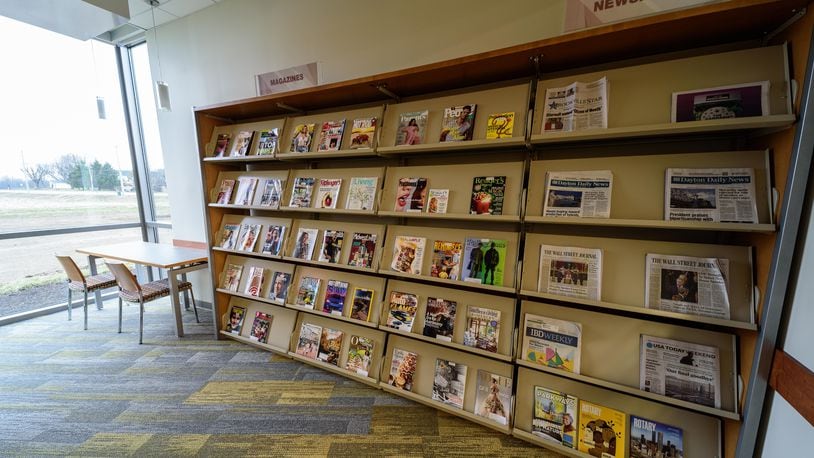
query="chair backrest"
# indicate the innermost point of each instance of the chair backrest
(124, 277)
(71, 269)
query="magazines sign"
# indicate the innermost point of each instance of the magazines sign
(289, 79)
(580, 14)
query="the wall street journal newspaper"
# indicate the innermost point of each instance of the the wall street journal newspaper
(570, 271)
(685, 284)
(577, 106)
(680, 370)
(584, 194)
(714, 195)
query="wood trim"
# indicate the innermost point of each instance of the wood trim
(794, 382)
(190, 244)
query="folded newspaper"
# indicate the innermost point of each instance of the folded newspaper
(585, 194)
(570, 271)
(714, 195)
(680, 370)
(683, 284)
(577, 106)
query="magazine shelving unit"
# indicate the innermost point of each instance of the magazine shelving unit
(232, 130)
(639, 143)
(265, 223)
(282, 324)
(331, 173)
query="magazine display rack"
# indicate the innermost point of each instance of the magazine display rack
(332, 173)
(264, 222)
(282, 324)
(349, 228)
(246, 264)
(345, 151)
(232, 130)
(235, 177)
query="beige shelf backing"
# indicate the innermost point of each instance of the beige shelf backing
(233, 130)
(453, 216)
(241, 159)
(260, 175)
(345, 175)
(318, 118)
(336, 370)
(250, 342)
(653, 224)
(340, 154)
(471, 145)
(282, 324)
(349, 228)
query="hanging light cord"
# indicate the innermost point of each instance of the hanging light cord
(153, 3)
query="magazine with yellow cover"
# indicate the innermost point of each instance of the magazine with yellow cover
(601, 430)
(500, 125)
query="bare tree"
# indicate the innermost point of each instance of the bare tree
(63, 167)
(36, 173)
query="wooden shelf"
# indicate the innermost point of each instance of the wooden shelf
(551, 445)
(264, 300)
(248, 253)
(502, 289)
(335, 265)
(653, 224)
(337, 211)
(455, 345)
(454, 216)
(245, 207)
(472, 145)
(262, 346)
(341, 154)
(335, 369)
(241, 159)
(330, 315)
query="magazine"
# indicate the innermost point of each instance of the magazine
(652, 439)
(555, 416)
(307, 292)
(363, 133)
(484, 261)
(602, 430)
(235, 323)
(280, 282)
(458, 123)
(713, 195)
(272, 193)
(331, 246)
(552, 342)
(402, 369)
(330, 137)
(248, 236)
(500, 125)
(221, 144)
(245, 190)
(228, 239)
(412, 127)
(360, 355)
(308, 343)
(583, 194)
(437, 201)
(330, 346)
(408, 254)
(362, 300)
(301, 192)
(241, 145)
(684, 284)
(304, 243)
(362, 249)
(401, 311)
(260, 327)
(680, 370)
(571, 271)
(335, 297)
(411, 195)
(362, 193)
(482, 328)
(328, 192)
(578, 106)
(449, 383)
(487, 195)
(439, 320)
(493, 397)
(255, 282)
(301, 138)
(231, 277)
(446, 260)
(736, 101)
(273, 243)
(267, 142)
(225, 193)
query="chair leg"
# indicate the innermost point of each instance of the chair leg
(141, 322)
(70, 303)
(194, 307)
(86, 309)
(120, 314)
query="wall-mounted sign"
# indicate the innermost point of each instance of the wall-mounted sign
(289, 79)
(580, 14)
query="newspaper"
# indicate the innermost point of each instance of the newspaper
(577, 106)
(680, 370)
(683, 284)
(569, 271)
(582, 194)
(715, 195)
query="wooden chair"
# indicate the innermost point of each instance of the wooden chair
(131, 291)
(77, 281)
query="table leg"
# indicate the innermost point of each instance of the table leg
(97, 295)
(176, 303)
(186, 293)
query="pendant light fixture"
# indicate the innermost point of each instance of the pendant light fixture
(162, 89)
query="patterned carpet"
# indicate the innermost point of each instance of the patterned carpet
(65, 391)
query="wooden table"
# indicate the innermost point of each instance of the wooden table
(175, 260)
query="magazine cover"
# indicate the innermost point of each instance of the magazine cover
(272, 193)
(331, 246)
(301, 138)
(710, 195)
(328, 192)
(255, 282)
(571, 271)
(362, 249)
(408, 254)
(482, 328)
(680, 370)
(236, 315)
(411, 195)
(335, 297)
(651, 439)
(437, 201)
(228, 239)
(241, 145)
(307, 292)
(602, 430)
(449, 383)
(301, 192)
(225, 193)
(362, 193)
(360, 355)
(308, 343)
(439, 320)
(412, 127)
(736, 101)
(446, 260)
(402, 369)
(500, 125)
(304, 243)
(280, 282)
(401, 311)
(484, 261)
(273, 243)
(267, 142)
(487, 195)
(248, 236)
(493, 397)
(363, 133)
(552, 342)
(245, 190)
(686, 284)
(362, 299)
(580, 194)
(231, 277)
(330, 136)
(458, 123)
(330, 346)
(578, 106)
(221, 144)
(555, 416)
(260, 327)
